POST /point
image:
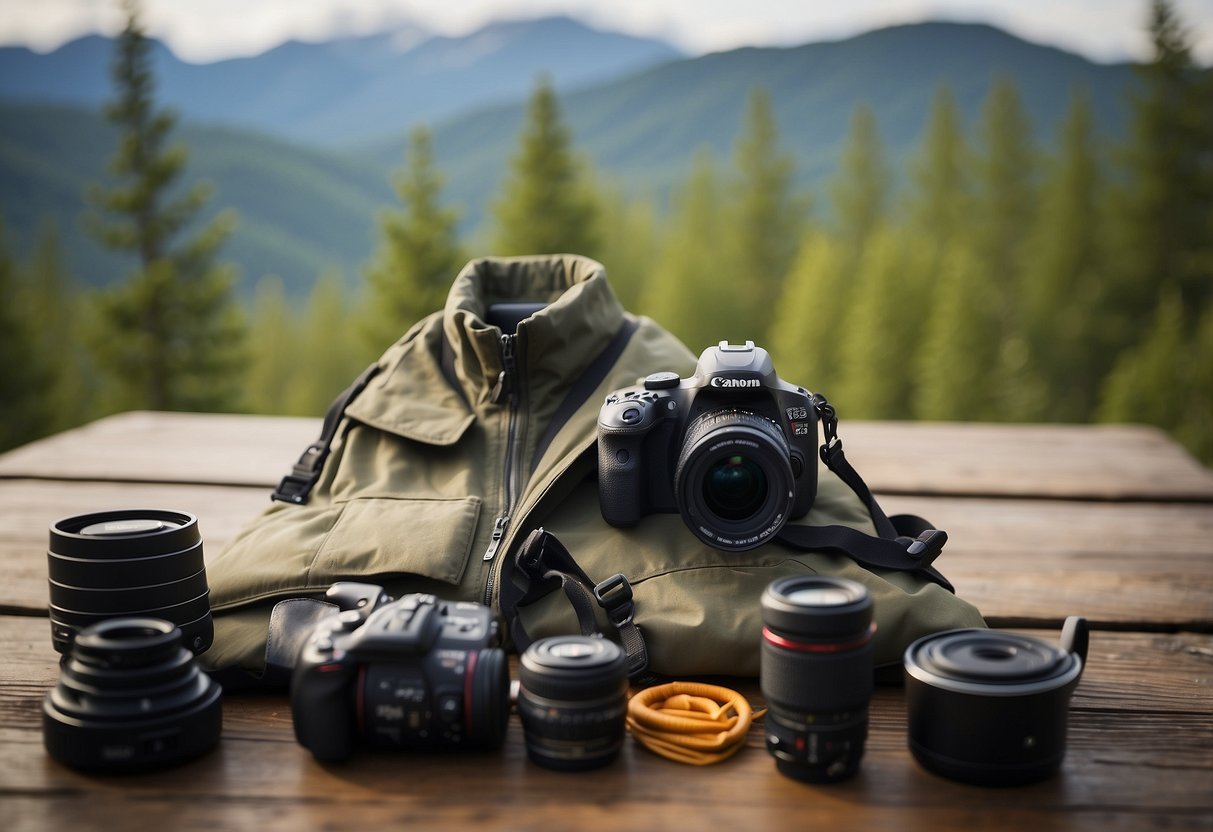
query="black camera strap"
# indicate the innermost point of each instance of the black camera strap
(904, 542)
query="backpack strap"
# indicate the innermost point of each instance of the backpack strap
(544, 565)
(296, 486)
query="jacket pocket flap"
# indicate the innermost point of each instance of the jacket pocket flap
(430, 537)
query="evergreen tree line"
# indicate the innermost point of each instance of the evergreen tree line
(990, 279)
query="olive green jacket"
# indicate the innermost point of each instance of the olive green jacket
(465, 441)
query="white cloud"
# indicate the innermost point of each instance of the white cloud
(209, 29)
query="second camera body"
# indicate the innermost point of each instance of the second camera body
(411, 674)
(732, 449)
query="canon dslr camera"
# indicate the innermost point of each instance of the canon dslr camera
(412, 674)
(732, 449)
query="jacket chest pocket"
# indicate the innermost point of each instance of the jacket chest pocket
(427, 537)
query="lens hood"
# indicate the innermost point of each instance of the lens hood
(130, 698)
(990, 707)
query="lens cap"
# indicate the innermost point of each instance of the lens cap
(990, 662)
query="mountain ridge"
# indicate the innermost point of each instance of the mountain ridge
(345, 89)
(304, 208)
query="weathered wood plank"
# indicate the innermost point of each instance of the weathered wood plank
(30, 506)
(1090, 462)
(1139, 756)
(1063, 461)
(1141, 564)
(144, 446)
(1123, 564)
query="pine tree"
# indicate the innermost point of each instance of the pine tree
(55, 312)
(630, 245)
(1167, 206)
(419, 252)
(766, 221)
(274, 367)
(880, 332)
(1165, 212)
(171, 336)
(26, 413)
(328, 358)
(954, 378)
(860, 191)
(1063, 296)
(808, 317)
(939, 204)
(688, 295)
(547, 204)
(1003, 212)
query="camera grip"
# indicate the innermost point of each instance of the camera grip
(620, 479)
(320, 706)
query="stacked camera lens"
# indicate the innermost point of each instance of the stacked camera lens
(130, 698)
(816, 675)
(145, 562)
(572, 699)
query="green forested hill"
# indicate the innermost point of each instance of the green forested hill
(299, 211)
(303, 210)
(642, 130)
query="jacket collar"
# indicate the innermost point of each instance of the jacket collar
(416, 397)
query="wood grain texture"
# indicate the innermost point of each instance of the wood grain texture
(1120, 462)
(1137, 564)
(144, 446)
(1139, 756)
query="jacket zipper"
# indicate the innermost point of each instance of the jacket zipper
(508, 389)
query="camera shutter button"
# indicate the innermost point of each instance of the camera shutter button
(661, 381)
(631, 415)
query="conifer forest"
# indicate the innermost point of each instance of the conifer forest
(990, 277)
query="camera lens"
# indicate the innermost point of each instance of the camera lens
(572, 699)
(130, 698)
(733, 482)
(142, 562)
(816, 675)
(420, 707)
(989, 707)
(735, 488)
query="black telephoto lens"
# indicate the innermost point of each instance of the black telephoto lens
(130, 698)
(816, 675)
(140, 562)
(572, 698)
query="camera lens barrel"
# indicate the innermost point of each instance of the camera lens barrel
(734, 483)
(130, 697)
(817, 675)
(572, 699)
(141, 562)
(989, 707)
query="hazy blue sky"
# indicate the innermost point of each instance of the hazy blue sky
(204, 30)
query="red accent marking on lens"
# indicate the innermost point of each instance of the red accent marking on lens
(328, 668)
(808, 647)
(467, 692)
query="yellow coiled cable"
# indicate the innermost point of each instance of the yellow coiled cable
(689, 722)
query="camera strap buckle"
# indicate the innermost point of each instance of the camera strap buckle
(540, 566)
(614, 595)
(296, 486)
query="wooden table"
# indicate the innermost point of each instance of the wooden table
(1114, 523)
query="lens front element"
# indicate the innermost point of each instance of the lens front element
(733, 482)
